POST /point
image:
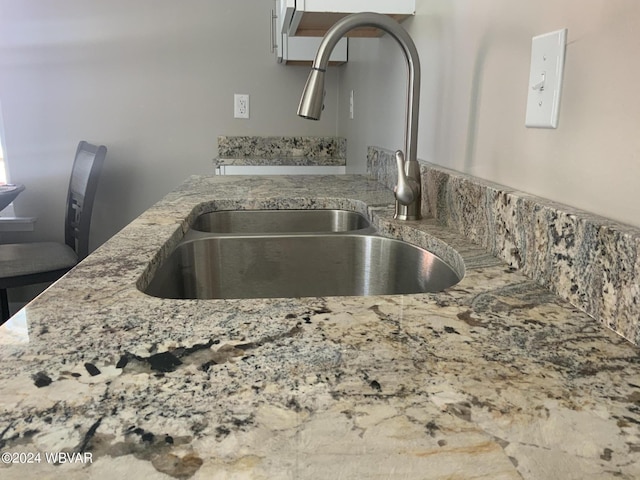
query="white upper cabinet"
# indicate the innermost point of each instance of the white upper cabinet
(313, 18)
(298, 50)
(299, 25)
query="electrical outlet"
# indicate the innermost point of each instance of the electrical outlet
(241, 105)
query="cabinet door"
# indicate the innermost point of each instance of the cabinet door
(298, 50)
(286, 9)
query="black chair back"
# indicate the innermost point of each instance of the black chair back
(82, 191)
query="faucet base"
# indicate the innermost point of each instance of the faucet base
(407, 212)
(405, 217)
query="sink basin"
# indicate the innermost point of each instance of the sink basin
(280, 221)
(298, 266)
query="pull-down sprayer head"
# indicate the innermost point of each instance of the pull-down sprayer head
(311, 102)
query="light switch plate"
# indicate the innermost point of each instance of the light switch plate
(545, 79)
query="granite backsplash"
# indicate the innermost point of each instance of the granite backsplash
(255, 150)
(591, 261)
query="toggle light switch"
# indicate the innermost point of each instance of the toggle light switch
(540, 85)
(545, 79)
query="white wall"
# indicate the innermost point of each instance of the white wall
(475, 62)
(151, 79)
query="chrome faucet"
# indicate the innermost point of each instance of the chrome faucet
(407, 191)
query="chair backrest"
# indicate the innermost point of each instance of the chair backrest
(82, 191)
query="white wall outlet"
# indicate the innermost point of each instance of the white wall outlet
(240, 105)
(545, 79)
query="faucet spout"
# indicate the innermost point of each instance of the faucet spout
(312, 99)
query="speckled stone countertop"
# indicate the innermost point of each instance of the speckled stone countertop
(494, 378)
(281, 151)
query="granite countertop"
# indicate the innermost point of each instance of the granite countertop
(494, 378)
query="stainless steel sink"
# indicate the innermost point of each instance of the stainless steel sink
(280, 221)
(298, 266)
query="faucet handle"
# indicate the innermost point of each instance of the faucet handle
(400, 160)
(407, 189)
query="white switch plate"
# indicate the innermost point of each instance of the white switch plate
(545, 79)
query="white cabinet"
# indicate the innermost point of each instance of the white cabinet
(299, 25)
(302, 50)
(314, 17)
(298, 50)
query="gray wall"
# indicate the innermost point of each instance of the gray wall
(475, 59)
(151, 79)
(154, 80)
